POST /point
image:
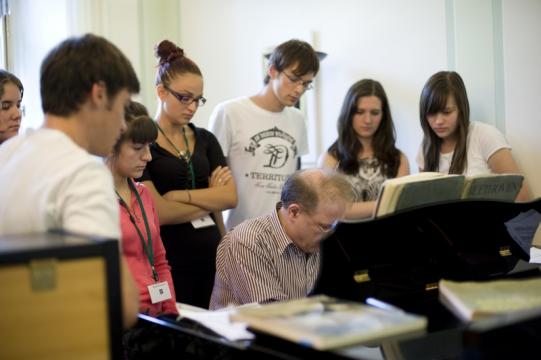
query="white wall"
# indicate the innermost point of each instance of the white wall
(135, 26)
(398, 43)
(522, 64)
(34, 30)
(493, 43)
(474, 57)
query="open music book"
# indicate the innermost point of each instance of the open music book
(324, 322)
(433, 187)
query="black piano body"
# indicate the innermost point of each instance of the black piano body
(401, 257)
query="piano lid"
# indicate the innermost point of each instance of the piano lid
(402, 256)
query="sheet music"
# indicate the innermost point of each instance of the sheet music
(217, 321)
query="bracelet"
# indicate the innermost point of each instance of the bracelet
(189, 196)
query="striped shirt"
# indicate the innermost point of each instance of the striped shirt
(257, 262)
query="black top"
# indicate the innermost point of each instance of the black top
(168, 172)
(191, 252)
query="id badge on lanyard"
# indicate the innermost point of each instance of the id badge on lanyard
(159, 292)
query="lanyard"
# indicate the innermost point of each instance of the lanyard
(149, 251)
(186, 156)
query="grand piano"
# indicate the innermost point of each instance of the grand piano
(399, 259)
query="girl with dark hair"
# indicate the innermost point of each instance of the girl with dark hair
(11, 95)
(365, 150)
(451, 143)
(188, 178)
(142, 246)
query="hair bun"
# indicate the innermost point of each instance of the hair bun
(167, 52)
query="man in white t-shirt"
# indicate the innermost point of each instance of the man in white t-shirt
(48, 178)
(263, 136)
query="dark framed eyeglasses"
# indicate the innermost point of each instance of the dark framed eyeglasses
(185, 98)
(307, 85)
(325, 228)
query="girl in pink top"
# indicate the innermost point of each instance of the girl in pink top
(141, 242)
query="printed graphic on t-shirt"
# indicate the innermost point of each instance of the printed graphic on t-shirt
(276, 148)
(367, 182)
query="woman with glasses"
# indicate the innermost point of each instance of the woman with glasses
(187, 177)
(365, 150)
(11, 95)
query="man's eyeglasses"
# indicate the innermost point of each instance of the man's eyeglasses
(307, 85)
(325, 228)
(186, 99)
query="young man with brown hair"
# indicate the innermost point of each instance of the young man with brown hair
(263, 136)
(48, 178)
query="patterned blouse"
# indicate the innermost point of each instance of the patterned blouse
(367, 182)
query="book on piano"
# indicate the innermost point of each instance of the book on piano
(476, 300)
(324, 322)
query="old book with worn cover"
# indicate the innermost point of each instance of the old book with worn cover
(418, 189)
(433, 187)
(502, 187)
(482, 299)
(324, 322)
